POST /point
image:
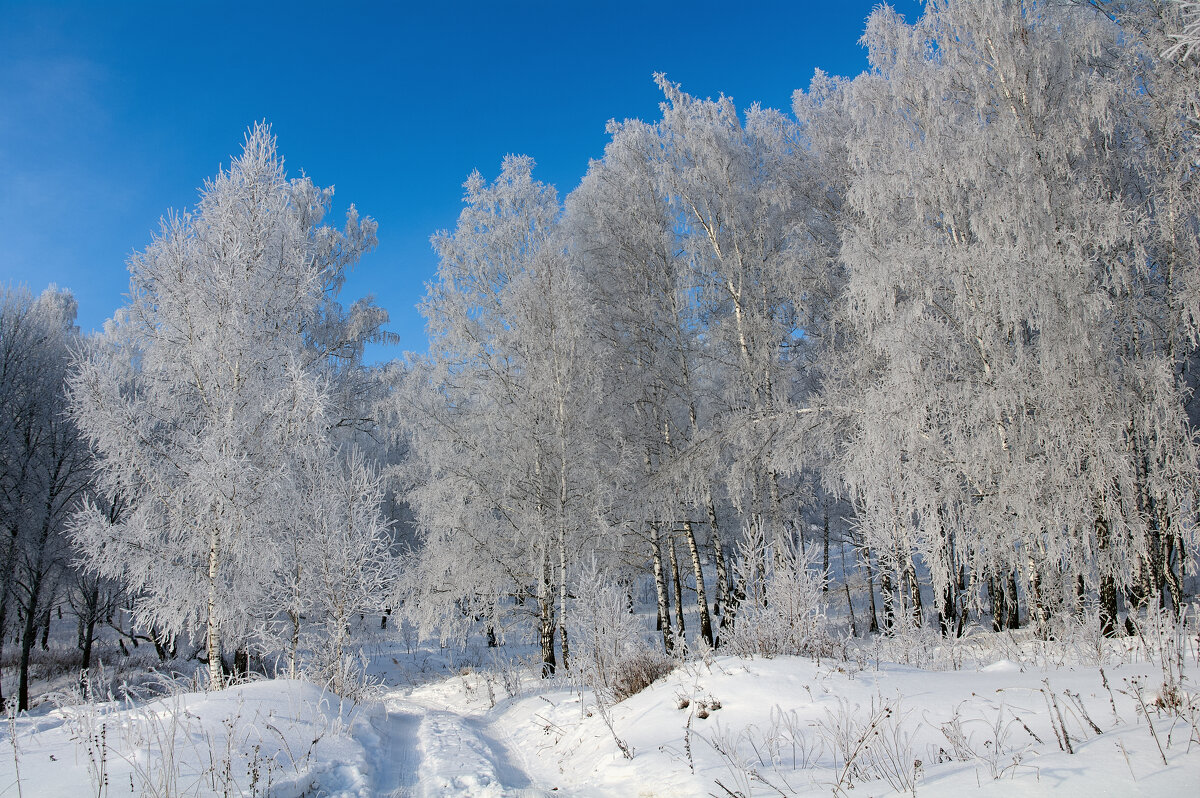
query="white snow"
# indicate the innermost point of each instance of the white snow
(778, 725)
(285, 736)
(726, 726)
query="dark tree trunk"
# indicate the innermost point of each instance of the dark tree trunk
(45, 641)
(165, 647)
(674, 560)
(8, 564)
(996, 594)
(874, 624)
(948, 610)
(1012, 605)
(1109, 626)
(722, 605)
(825, 547)
(1108, 584)
(846, 585)
(241, 662)
(1172, 554)
(962, 606)
(546, 620)
(947, 603)
(88, 639)
(889, 599)
(28, 637)
(3, 634)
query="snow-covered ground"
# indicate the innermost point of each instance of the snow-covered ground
(485, 726)
(790, 726)
(274, 737)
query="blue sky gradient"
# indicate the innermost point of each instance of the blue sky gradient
(113, 113)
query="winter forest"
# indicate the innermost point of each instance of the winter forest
(908, 366)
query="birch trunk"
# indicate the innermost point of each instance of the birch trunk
(825, 548)
(889, 600)
(212, 642)
(546, 619)
(660, 590)
(873, 628)
(562, 597)
(723, 595)
(706, 631)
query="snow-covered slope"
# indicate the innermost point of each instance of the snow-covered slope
(790, 726)
(280, 738)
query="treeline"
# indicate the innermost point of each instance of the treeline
(932, 333)
(944, 315)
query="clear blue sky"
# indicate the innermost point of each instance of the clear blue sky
(111, 113)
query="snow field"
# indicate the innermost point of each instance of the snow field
(791, 726)
(279, 738)
(718, 725)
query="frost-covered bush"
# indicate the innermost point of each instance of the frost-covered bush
(343, 674)
(609, 650)
(917, 645)
(1080, 635)
(783, 610)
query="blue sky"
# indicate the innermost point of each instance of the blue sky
(111, 113)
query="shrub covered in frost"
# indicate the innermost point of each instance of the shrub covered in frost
(609, 650)
(782, 611)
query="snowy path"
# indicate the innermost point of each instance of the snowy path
(395, 757)
(429, 752)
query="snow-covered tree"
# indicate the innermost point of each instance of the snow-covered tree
(337, 563)
(733, 185)
(500, 413)
(1154, 162)
(44, 463)
(993, 300)
(623, 236)
(227, 398)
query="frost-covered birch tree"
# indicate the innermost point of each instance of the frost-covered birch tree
(500, 416)
(1154, 162)
(227, 398)
(622, 234)
(752, 210)
(991, 293)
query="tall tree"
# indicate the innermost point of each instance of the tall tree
(1154, 164)
(500, 413)
(44, 463)
(622, 233)
(203, 443)
(990, 272)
